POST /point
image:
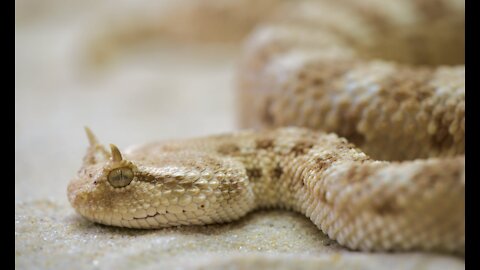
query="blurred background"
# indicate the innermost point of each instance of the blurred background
(74, 67)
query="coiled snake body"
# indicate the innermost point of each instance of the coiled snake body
(316, 71)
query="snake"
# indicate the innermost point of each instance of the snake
(366, 142)
(363, 204)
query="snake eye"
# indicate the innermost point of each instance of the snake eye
(120, 177)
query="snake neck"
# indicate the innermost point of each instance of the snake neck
(282, 176)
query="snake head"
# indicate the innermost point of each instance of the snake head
(102, 173)
(159, 185)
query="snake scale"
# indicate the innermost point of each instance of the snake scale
(297, 70)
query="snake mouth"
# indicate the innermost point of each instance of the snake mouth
(157, 220)
(147, 216)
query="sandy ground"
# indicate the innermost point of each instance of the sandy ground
(159, 91)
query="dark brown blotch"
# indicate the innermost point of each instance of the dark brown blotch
(265, 143)
(229, 187)
(346, 145)
(187, 185)
(277, 172)
(301, 148)
(317, 81)
(228, 149)
(321, 164)
(387, 207)
(254, 173)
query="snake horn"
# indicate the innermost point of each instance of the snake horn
(95, 152)
(91, 137)
(116, 155)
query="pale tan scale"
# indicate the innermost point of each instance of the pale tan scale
(171, 218)
(161, 220)
(140, 213)
(127, 216)
(125, 223)
(151, 211)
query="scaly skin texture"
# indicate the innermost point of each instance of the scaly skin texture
(388, 77)
(361, 203)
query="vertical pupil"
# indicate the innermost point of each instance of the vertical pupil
(120, 177)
